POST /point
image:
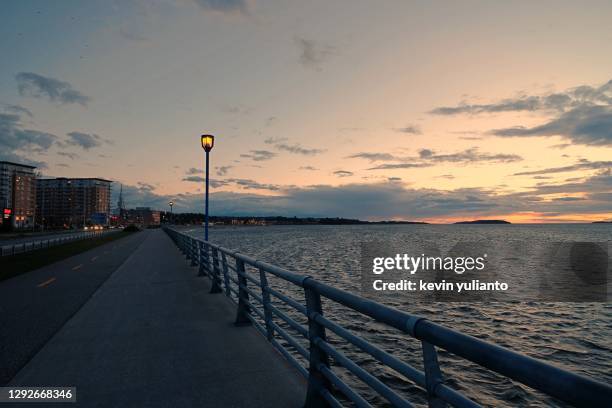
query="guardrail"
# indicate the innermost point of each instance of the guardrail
(234, 274)
(14, 249)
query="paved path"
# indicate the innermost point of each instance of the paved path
(152, 336)
(36, 304)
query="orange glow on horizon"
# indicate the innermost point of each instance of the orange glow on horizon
(526, 218)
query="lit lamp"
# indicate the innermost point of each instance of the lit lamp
(208, 142)
(171, 203)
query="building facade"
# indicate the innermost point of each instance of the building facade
(142, 216)
(73, 202)
(17, 195)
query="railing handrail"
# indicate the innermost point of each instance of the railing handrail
(564, 385)
(11, 249)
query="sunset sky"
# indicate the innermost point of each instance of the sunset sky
(414, 110)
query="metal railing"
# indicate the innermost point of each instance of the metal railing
(258, 304)
(14, 249)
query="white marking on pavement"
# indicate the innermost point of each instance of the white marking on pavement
(45, 283)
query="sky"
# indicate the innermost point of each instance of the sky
(397, 110)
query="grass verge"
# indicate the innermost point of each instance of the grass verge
(11, 266)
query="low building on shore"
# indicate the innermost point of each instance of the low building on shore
(143, 216)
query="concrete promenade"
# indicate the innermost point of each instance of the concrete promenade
(152, 336)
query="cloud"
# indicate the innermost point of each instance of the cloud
(393, 166)
(471, 155)
(313, 54)
(596, 185)
(561, 146)
(280, 143)
(583, 114)
(195, 179)
(298, 149)
(222, 170)
(259, 155)
(145, 186)
(38, 86)
(18, 144)
(18, 109)
(390, 199)
(85, 141)
(582, 165)
(560, 101)
(223, 6)
(411, 129)
(343, 173)
(428, 157)
(246, 184)
(71, 156)
(253, 185)
(587, 125)
(531, 103)
(194, 170)
(373, 156)
(274, 140)
(310, 168)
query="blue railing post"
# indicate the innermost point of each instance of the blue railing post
(193, 244)
(316, 380)
(433, 375)
(188, 247)
(183, 246)
(215, 288)
(202, 262)
(226, 279)
(243, 296)
(265, 296)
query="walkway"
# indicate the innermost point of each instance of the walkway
(152, 336)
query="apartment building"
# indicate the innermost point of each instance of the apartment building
(73, 202)
(17, 195)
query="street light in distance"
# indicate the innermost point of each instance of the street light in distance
(208, 141)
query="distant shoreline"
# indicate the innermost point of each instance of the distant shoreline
(196, 218)
(484, 222)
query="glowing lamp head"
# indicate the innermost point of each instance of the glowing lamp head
(208, 141)
(171, 203)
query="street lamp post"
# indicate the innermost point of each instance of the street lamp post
(208, 142)
(171, 203)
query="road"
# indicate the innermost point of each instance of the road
(35, 305)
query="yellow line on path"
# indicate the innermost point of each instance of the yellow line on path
(77, 267)
(45, 283)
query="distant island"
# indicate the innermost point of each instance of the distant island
(602, 222)
(484, 222)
